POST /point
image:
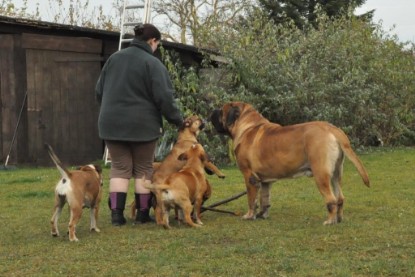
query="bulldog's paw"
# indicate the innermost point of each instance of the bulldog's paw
(262, 215)
(249, 216)
(331, 221)
(74, 239)
(95, 229)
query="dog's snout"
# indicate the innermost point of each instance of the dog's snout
(215, 114)
(215, 118)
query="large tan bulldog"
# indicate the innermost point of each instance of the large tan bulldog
(266, 152)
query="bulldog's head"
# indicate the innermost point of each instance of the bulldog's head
(195, 151)
(225, 118)
(194, 123)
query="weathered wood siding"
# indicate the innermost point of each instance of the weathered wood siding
(12, 91)
(61, 106)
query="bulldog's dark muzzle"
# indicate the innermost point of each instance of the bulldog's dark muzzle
(215, 118)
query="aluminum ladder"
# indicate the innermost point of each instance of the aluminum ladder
(132, 15)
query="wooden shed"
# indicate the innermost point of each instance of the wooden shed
(49, 71)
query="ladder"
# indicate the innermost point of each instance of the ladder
(132, 15)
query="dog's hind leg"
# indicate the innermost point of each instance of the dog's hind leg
(197, 208)
(323, 183)
(323, 162)
(165, 217)
(336, 185)
(187, 211)
(159, 207)
(59, 203)
(93, 214)
(76, 213)
(264, 200)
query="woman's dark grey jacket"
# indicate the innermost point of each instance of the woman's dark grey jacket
(135, 91)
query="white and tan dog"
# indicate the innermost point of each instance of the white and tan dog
(79, 188)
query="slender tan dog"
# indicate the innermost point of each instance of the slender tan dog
(187, 186)
(80, 188)
(187, 136)
(266, 152)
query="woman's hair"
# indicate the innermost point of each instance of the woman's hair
(146, 31)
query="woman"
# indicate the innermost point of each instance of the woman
(135, 91)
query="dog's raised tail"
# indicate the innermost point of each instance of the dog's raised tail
(351, 155)
(154, 187)
(64, 172)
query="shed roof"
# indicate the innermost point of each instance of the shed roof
(12, 25)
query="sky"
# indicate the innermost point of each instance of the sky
(396, 16)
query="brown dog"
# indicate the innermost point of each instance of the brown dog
(266, 152)
(188, 133)
(80, 188)
(185, 187)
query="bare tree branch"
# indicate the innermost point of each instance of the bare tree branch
(186, 17)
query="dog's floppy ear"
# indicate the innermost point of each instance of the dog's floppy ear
(182, 157)
(98, 168)
(232, 116)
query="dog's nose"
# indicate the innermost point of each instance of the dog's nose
(214, 116)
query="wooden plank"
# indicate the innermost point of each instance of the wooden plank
(83, 110)
(33, 111)
(21, 89)
(57, 43)
(77, 86)
(89, 94)
(7, 94)
(6, 41)
(44, 103)
(78, 59)
(65, 106)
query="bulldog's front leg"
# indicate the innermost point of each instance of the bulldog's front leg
(252, 191)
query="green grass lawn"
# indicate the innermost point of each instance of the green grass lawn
(376, 238)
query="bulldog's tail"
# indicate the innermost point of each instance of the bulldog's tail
(154, 187)
(64, 172)
(351, 155)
